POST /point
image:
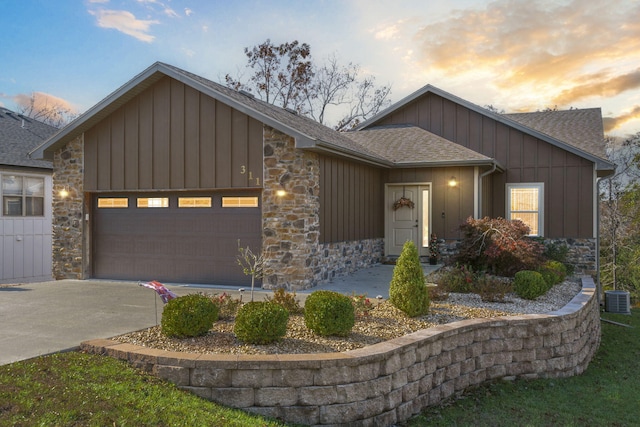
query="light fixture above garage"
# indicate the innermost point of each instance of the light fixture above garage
(453, 182)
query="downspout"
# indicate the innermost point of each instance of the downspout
(598, 284)
(482, 175)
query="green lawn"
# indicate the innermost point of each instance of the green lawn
(75, 389)
(607, 394)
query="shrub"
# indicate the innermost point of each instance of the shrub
(555, 251)
(492, 288)
(188, 316)
(458, 278)
(285, 299)
(261, 322)
(529, 284)
(329, 313)
(408, 291)
(227, 305)
(553, 272)
(499, 246)
(362, 305)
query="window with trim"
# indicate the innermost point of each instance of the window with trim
(525, 202)
(22, 195)
(239, 202)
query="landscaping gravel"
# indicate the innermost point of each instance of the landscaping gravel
(383, 322)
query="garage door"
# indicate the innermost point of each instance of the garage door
(176, 238)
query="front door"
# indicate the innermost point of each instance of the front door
(407, 217)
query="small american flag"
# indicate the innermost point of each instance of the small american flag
(165, 294)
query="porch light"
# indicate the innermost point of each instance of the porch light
(453, 182)
(281, 193)
(64, 193)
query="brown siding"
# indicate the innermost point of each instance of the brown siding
(173, 137)
(351, 201)
(456, 203)
(567, 178)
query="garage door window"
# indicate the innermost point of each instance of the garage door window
(239, 202)
(113, 202)
(153, 202)
(22, 195)
(194, 202)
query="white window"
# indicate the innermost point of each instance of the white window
(526, 202)
(153, 202)
(22, 195)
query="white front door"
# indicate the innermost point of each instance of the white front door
(407, 223)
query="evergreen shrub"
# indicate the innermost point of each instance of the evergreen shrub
(329, 313)
(261, 322)
(188, 316)
(408, 291)
(553, 272)
(529, 284)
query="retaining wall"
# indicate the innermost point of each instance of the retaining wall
(389, 382)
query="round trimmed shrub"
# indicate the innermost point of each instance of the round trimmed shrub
(553, 272)
(408, 289)
(188, 316)
(329, 313)
(261, 322)
(529, 284)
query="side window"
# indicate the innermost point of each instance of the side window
(22, 195)
(525, 202)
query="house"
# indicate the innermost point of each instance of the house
(171, 172)
(25, 189)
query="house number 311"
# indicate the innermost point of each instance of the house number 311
(243, 170)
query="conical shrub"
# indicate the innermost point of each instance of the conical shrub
(408, 289)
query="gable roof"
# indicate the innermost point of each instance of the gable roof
(410, 146)
(18, 136)
(578, 133)
(306, 132)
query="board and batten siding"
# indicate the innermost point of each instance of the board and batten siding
(351, 201)
(568, 179)
(172, 137)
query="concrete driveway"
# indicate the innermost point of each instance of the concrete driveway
(48, 317)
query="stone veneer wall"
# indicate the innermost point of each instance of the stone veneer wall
(582, 253)
(295, 259)
(389, 382)
(68, 167)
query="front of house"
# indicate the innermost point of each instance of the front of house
(171, 172)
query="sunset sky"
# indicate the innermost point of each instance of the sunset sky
(517, 55)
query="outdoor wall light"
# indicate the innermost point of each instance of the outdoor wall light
(64, 193)
(453, 182)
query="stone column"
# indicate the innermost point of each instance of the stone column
(68, 172)
(291, 222)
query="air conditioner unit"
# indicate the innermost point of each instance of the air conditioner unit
(617, 302)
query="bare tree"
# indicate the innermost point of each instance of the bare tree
(284, 75)
(40, 108)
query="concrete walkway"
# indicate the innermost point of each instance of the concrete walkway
(48, 317)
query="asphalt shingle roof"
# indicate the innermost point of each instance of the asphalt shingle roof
(411, 144)
(18, 136)
(581, 128)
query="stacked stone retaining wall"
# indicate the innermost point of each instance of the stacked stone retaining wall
(389, 382)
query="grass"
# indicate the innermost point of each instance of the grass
(607, 394)
(75, 389)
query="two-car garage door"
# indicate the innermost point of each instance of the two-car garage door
(174, 237)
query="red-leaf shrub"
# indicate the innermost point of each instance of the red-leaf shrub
(499, 246)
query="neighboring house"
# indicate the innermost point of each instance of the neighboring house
(25, 190)
(168, 174)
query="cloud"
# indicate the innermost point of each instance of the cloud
(611, 123)
(125, 22)
(188, 12)
(562, 50)
(600, 84)
(43, 101)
